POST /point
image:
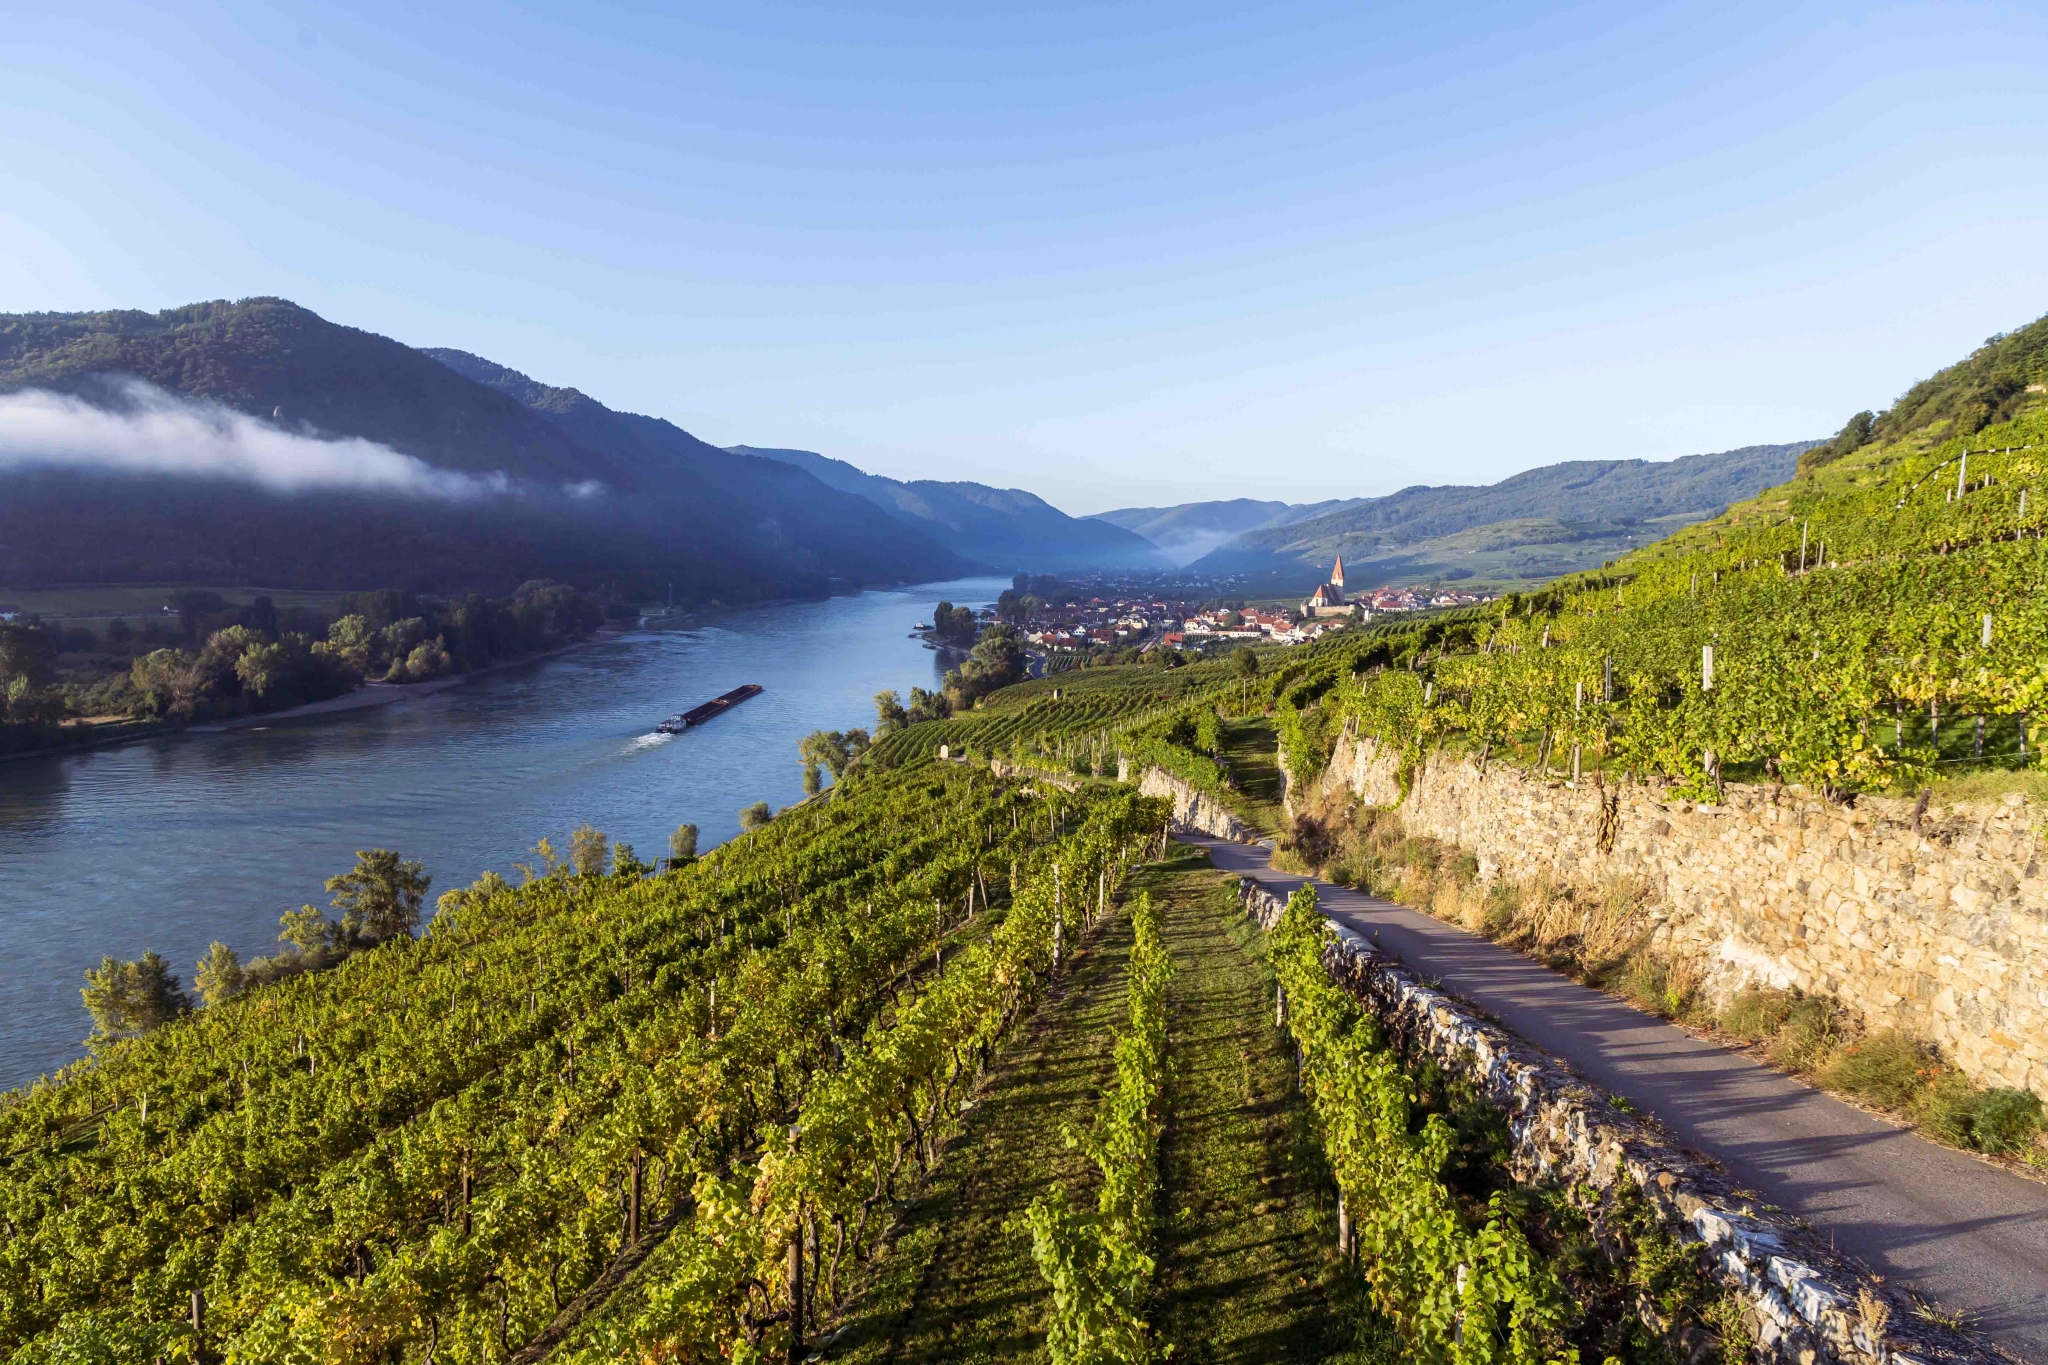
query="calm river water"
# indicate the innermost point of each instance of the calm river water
(172, 843)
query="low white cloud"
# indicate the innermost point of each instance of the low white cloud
(151, 431)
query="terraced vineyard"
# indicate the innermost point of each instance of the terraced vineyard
(1873, 625)
(947, 1066)
(941, 1067)
(1075, 716)
(431, 1150)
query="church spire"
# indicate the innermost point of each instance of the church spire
(1337, 574)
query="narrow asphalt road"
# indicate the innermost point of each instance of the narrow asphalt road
(1947, 1227)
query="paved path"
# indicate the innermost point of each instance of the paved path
(1944, 1225)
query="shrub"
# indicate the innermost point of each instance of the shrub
(1503, 902)
(1992, 1121)
(1646, 980)
(1809, 1035)
(1888, 1069)
(1948, 1107)
(2004, 1119)
(1757, 1013)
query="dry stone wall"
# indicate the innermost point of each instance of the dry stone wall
(1933, 921)
(1002, 767)
(1192, 809)
(1804, 1303)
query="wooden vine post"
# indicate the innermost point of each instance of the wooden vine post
(1059, 922)
(633, 1200)
(796, 1275)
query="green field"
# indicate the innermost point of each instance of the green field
(101, 601)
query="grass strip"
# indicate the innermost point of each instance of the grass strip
(955, 1286)
(1247, 1271)
(1250, 754)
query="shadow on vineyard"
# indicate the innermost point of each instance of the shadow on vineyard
(1245, 1223)
(958, 1284)
(1248, 1271)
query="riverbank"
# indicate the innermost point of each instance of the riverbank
(217, 835)
(370, 695)
(367, 696)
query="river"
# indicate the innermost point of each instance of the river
(174, 842)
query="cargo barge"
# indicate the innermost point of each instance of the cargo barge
(697, 715)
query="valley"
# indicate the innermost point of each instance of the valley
(1370, 988)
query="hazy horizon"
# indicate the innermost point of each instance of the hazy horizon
(1118, 257)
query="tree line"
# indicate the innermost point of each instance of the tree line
(222, 660)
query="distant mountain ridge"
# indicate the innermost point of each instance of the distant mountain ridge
(812, 515)
(1524, 529)
(1190, 530)
(593, 496)
(1004, 528)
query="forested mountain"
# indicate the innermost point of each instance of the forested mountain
(788, 506)
(246, 459)
(1524, 529)
(1190, 530)
(1005, 528)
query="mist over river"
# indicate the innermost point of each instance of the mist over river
(174, 842)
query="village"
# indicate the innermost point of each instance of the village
(1127, 615)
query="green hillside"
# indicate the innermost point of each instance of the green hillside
(1874, 623)
(1528, 528)
(429, 1151)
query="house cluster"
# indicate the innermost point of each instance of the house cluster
(1329, 599)
(1414, 599)
(1126, 614)
(1105, 621)
(1266, 627)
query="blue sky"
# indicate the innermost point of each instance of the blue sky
(1111, 253)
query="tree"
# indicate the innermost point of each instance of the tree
(219, 976)
(428, 659)
(889, 713)
(379, 898)
(756, 816)
(26, 651)
(997, 660)
(352, 641)
(193, 604)
(682, 845)
(589, 851)
(305, 930)
(832, 750)
(549, 865)
(128, 999)
(954, 625)
(857, 743)
(926, 706)
(1855, 434)
(168, 683)
(1245, 664)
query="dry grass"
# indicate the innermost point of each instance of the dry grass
(1602, 936)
